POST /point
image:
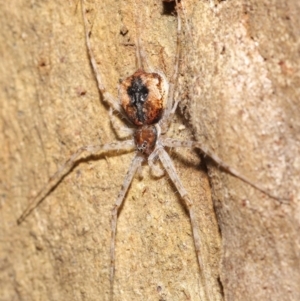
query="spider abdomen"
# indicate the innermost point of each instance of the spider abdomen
(143, 97)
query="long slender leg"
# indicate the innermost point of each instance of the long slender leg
(135, 165)
(207, 152)
(121, 131)
(171, 108)
(155, 169)
(107, 97)
(205, 272)
(67, 166)
(141, 56)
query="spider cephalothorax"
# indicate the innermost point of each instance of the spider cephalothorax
(145, 139)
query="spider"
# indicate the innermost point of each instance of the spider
(147, 103)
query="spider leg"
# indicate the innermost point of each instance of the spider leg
(141, 56)
(169, 167)
(135, 165)
(67, 166)
(107, 97)
(155, 169)
(171, 108)
(207, 152)
(121, 130)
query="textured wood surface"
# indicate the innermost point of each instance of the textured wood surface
(239, 85)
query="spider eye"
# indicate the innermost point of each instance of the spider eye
(142, 147)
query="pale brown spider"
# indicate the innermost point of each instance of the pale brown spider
(147, 103)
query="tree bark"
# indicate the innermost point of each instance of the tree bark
(243, 77)
(239, 85)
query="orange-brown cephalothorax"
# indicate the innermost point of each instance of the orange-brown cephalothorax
(145, 139)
